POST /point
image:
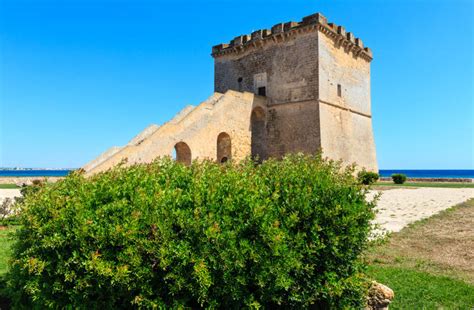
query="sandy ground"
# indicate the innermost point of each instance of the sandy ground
(27, 180)
(9, 193)
(399, 207)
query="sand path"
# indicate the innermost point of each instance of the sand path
(9, 193)
(399, 207)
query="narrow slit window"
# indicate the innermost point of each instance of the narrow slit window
(339, 90)
(239, 80)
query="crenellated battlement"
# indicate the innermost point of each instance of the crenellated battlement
(284, 31)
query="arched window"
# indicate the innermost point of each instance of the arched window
(258, 143)
(183, 153)
(224, 148)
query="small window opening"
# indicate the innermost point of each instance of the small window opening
(239, 80)
(339, 90)
(262, 91)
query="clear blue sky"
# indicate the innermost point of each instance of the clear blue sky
(77, 77)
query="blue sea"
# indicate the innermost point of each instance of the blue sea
(34, 173)
(455, 174)
(383, 172)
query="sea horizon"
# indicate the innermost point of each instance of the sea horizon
(411, 173)
(430, 173)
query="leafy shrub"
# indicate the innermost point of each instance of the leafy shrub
(8, 212)
(399, 178)
(284, 233)
(5, 208)
(367, 177)
(27, 190)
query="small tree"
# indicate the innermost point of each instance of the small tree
(27, 190)
(5, 208)
(399, 178)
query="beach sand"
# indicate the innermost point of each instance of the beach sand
(399, 207)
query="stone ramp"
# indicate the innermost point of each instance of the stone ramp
(197, 126)
(144, 134)
(101, 158)
(115, 149)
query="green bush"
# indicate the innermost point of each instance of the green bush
(399, 178)
(284, 233)
(367, 177)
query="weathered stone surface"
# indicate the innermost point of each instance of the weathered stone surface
(380, 296)
(144, 134)
(311, 81)
(101, 158)
(198, 128)
(318, 89)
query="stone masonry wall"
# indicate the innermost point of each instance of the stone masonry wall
(346, 120)
(288, 70)
(293, 128)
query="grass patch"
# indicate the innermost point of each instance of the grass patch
(424, 184)
(441, 245)
(5, 252)
(9, 186)
(5, 243)
(422, 290)
(429, 263)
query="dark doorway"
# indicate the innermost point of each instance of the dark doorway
(258, 142)
(224, 147)
(183, 153)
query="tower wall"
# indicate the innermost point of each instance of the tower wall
(317, 83)
(287, 66)
(345, 104)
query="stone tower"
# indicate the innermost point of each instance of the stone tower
(299, 87)
(316, 78)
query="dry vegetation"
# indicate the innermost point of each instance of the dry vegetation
(429, 263)
(442, 245)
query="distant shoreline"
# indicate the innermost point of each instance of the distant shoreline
(430, 180)
(430, 173)
(435, 175)
(28, 169)
(384, 173)
(28, 173)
